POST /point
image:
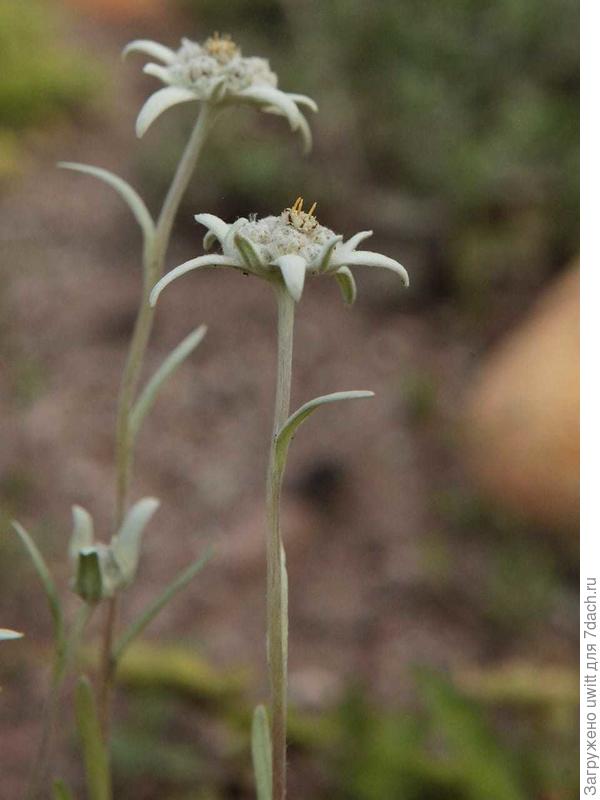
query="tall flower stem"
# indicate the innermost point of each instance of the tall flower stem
(154, 261)
(62, 661)
(277, 615)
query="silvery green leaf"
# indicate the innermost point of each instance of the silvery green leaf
(44, 575)
(209, 240)
(290, 427)
(157, 605)
(158, 102)
(212, 260)
(248, 252)
(83, 531)
(162, 73)
(94, 752)
(347, 284)
(152, 49)
(355, 240)
(89, 583)
(6, 634)
(174, 359)
(326, 253)
(218, 227)
(303, 100)
(127, 192)
(125, 546)
(61, 791)
(367, 259)
(217, 92)
(261, 754)
(269, 96)
(293, 270)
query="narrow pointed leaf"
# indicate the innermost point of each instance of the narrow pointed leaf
(215, 225)
(347, 284)
(261, 754)
(303, 100)
(61, 791)
(367, 259)
(148, 396)
(162, 73)
(94, 753)
(150, 48)
(157, 605)
(83, 531)
(269, 96)
(47, 582)
(126, 544)
(248, 252)
(327, 252)
(355, 240)
(212, 260)
(158, 102)
(127, 192)
(290, 427)
(293, 270)
(6, 634)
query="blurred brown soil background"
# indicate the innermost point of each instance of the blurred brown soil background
(432, 525)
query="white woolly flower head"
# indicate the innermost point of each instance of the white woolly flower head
(284, 248)
(216, 73)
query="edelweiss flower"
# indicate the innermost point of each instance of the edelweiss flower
(287, 246)
(216, 72)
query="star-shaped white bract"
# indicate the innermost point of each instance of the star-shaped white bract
(285, 247)
(216, 73)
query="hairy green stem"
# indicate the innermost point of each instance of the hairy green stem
(276, 572)
(154, 261)
(37, 787)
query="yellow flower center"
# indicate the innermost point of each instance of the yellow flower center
(299, 219)
(221, 46)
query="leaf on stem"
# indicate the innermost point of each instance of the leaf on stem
(126, 544)
(127, 192)
(94, 752)
(61, 791)
(287, 431)
(157, 605)
(261, 754)
(43, 572)
(148, 396)
(6, 634)
(83, 531)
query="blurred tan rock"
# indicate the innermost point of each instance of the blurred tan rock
(522, 413)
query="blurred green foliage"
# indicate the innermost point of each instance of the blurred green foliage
(450, 750)
(40, 78)
(501, 735)
(470, 107)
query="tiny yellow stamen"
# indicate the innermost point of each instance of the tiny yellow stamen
(311, 210)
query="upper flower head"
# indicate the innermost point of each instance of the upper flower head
(285, 248)
(216, 72)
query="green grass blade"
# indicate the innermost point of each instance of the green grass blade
(47, 582)
(157, 605)
(261, 754)
(94, 753)
(147, 397)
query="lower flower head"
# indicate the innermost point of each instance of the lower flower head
(284, 248)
